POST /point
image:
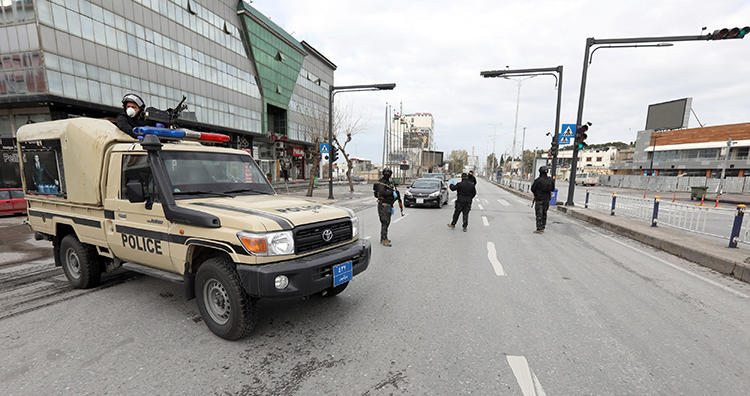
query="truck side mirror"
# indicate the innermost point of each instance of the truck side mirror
(134, 189)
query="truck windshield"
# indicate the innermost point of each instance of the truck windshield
(201, 173)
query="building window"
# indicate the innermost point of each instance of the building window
(588, 159)
(598, 159)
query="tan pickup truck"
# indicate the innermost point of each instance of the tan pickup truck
(181, 210)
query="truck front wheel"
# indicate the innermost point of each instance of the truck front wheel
(79, 263)
(225, 306)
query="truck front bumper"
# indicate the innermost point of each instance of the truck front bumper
(307, 275)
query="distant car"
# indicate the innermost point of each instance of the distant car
(441, 176)
(587, 179)
(427, 192)
(12, 201)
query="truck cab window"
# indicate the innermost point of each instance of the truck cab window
(135, 168)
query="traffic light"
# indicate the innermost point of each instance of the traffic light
(334, 153)
(726, 33)
(581, 135)
(554, 148)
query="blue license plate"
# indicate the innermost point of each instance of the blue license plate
(342, 273)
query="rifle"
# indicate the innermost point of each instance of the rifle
(400, 203)
(167, 117)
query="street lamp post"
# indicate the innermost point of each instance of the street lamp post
(653, 153)
(633, 42)
(332, 91)
(556, 72)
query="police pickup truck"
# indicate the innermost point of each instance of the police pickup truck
(169, 206)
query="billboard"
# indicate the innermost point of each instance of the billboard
(417, 138)
(669, 115)
(432, 159)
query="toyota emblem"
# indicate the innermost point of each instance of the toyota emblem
(327, 235)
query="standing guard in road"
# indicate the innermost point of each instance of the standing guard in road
(542, 189)
(472, 179)
(386, 193)
(466, 192)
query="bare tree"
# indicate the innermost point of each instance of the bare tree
(345, 125)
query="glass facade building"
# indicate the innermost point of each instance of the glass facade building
(67, 58)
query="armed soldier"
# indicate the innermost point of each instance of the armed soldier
(386, 193)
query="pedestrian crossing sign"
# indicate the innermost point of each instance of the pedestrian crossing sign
(567, 134)
(324, 148)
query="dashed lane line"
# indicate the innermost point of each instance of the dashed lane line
(485, 222)
(481, 207)
(503, 202)
(492, 256)
(527, 380)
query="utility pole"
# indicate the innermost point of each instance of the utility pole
(523, 145)
(724, 166)
(515, 127)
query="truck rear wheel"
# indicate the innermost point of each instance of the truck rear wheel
(79, 263)
(224, 305)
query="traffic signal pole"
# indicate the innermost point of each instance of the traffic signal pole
(579, 121)
(557, 121)
(556, 72)
(722, 34)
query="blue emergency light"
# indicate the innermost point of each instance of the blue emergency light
(180, 134)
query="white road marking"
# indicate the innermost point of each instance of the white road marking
(503, 202)
(399, 219)
(367, 237)
(709, 281)
(485, 222)
(485, 201)
(527, 380)
(492, 256)
(481, 207)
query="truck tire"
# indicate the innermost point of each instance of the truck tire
(224, 305)
(79, 263)
(334, 291)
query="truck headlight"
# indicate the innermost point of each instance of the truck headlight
(268, 244)
(355, 226)
(435, 194)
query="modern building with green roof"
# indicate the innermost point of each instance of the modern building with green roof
(242, 74)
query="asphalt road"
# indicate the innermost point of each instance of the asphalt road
(495, 310)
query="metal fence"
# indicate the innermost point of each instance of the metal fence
(722, 223)
(704, 220)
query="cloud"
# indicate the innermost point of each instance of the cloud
(434, 51)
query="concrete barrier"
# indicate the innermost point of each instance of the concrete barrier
(672, 183)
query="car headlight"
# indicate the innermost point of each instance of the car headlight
(435, 194)
(355, 226)
(408, 193)
(268, 244)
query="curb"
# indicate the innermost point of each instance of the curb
(732, 262)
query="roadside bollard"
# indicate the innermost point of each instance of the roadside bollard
(734, 238)
(655, 215)
(614, 199)
(586, 203)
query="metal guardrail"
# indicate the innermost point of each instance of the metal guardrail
(715, 222)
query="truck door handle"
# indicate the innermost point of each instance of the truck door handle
(123, 215)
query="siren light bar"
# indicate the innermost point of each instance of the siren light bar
(180, 134)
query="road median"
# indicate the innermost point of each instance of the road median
(733, 262)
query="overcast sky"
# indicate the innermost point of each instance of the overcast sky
(434, 51)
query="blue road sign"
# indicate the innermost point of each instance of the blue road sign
(567, 134)
(324, 148)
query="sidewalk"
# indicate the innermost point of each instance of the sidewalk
(732, 262)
